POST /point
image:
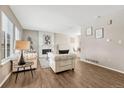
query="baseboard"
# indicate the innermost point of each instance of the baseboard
(83, 60)
(5, 79)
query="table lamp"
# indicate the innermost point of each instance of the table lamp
(22, 45)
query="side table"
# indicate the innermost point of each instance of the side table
(27, 64)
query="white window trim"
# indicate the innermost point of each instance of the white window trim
(12, 39)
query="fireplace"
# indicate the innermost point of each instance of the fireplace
(45, 51)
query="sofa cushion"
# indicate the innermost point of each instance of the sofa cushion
(65, 62)
(65, 57)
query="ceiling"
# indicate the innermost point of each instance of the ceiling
(60, 18)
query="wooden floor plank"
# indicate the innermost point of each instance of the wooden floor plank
(85, 75)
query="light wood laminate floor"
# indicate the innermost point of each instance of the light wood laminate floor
(84, 76)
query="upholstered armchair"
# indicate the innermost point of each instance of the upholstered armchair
(61, 62)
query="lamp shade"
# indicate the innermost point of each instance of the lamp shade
(22, 45)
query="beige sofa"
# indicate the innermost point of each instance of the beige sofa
(61, 62)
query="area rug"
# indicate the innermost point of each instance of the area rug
(44, 63)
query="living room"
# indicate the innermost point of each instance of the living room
(60, 47)
(41, 42)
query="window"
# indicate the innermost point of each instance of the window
(7, 37)
(17, 34)
(9, 34)
(2, 45)
(17, 37)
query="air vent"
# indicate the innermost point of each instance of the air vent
(91, 60)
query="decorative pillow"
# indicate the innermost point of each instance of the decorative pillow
(29, 56)
(63, 51)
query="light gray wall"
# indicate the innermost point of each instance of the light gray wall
(6, 69)
(33, 35)
(63, 41)
(0, 36)
(109, 54)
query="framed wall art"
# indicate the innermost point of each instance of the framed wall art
(47, 39)
(99, 33)
(89, 31)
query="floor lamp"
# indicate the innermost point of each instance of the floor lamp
(22, 45)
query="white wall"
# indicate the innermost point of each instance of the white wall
(41, 42)
(109, 54)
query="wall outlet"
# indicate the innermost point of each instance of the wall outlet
(108, 40)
